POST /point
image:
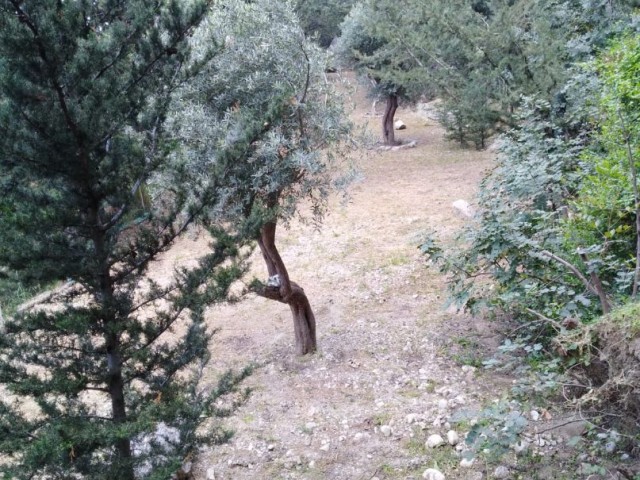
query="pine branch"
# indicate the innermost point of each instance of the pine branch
(42, 51)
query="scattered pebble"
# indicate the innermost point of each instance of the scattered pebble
(535, 415)
(434, 441)
(467, 462)
(521, 447)
(385, 430)
(433, 474)
(411, 418)
(453, 438)
(501, 472)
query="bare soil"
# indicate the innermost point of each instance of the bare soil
(389, 351)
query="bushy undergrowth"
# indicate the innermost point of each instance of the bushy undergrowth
(555, 246)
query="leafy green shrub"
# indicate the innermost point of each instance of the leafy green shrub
(521, 206)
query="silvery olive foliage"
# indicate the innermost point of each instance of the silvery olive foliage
(267, 98)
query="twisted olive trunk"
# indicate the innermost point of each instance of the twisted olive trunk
(304, 322)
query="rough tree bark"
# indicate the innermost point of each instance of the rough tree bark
(115, 380)
(285, 291)
(388, 133)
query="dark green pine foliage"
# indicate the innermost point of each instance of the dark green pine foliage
(100, 382)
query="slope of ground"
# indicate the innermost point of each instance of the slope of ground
(390, 366)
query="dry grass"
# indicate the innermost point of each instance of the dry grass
(380, 322)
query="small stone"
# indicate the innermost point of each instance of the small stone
(312, 464)
(385, 430)
(307, 441)
(411, 418)
(434, 441)
(325, 447)
(501, 472)
(452, 437)
(535, 415)
(443, 404)
(463, 208)
(399, 125)
(467, 462)
(573, 429)
(211, 474)
(540, 442)
(433, 474)
(270, 447)
(311, 425)
(521, 447)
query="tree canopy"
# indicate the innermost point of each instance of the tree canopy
(291, 121)
(91, 375)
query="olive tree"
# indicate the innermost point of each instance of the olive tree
(284, 119)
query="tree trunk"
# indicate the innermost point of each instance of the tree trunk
(115, 384)
(282, 289)
(388, 132)
(115, 381)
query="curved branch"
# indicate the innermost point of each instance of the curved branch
(303, 99)
(572, 269)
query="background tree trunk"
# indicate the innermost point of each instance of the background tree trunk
(388, 133)
(285, 291)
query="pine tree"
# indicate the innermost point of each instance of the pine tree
(100, 381)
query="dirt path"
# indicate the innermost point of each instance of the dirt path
(389, 370)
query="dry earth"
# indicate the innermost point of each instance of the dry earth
(390, 366)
